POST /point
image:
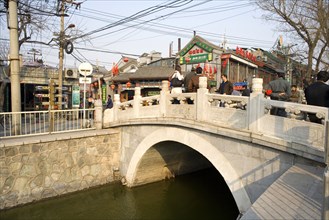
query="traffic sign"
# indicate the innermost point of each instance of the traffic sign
(85, 69)
(86, 80)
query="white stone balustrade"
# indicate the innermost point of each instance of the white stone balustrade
(243, 113)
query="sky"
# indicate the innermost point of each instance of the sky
(115, 28)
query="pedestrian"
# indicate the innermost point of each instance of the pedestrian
(193, 85)
(295, 95)
(245, 91)
(90, 102)
(280, 91)
(226, 87)
(177, 80)
(188, 77)
(318, 94)
(109, 103)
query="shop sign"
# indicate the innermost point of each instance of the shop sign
(245, 54)
(198, 58)
(152, 93)
(199, 44)
(41, 88)
(104, 93)
(75, 96)
(239, 85)
(213, 83)
(86, 80)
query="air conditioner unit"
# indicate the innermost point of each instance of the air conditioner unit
(71, 73)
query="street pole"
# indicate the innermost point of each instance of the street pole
(14, 64)
(61, 57)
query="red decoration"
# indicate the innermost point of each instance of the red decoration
(215, 70)
(225, 63)
(115, 69)
(268, 92)
(125, 59)
(187, 59)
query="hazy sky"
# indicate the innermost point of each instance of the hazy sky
(137, 27)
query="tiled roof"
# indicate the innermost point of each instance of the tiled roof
(152, 73)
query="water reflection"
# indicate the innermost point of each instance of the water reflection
(201, 195)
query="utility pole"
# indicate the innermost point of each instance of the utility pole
(14, 63)
(34, 52)
(61, 56)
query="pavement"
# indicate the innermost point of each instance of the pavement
(297, 194)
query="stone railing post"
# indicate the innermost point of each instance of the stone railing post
(201, 100)
(325, 205)
(116, 104)
(98, 114)
(137, 101)
(163, 97)
(255, 110)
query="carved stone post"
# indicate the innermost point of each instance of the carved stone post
(325, 205)
(116, 104)
(201, 99)
(255, 108)
(98, 114)
(163, 97)
(137, 100)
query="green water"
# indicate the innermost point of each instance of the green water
(201, 195)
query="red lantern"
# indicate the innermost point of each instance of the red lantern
(112, 86)
(187, 59)
(125, 59)
(128, 84)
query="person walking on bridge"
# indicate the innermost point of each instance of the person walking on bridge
(226, 87)
(194, 82)
(188, 77)
(318, 94)
(280, 91)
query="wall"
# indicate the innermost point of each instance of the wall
(49, 166)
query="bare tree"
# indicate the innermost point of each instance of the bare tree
(300, 19)
(31, 23)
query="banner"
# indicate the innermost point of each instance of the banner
(104, 100)
(75, 96)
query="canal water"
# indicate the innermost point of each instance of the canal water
(200, 195)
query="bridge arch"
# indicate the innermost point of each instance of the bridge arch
(199, 144)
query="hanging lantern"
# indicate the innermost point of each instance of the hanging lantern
(112, 86)
(125, 59)
(187, 59)
(128, 84)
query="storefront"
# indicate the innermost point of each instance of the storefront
(200, 52)
(239, 66)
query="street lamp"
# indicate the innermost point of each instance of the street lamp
(62, 37)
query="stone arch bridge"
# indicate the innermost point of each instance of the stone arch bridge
(251, 149)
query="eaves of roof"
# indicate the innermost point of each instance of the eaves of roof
(152, 73)
(193, 41)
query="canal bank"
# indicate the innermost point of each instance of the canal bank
(36, 168)
(200, 195)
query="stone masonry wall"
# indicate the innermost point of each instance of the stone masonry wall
(34, 171)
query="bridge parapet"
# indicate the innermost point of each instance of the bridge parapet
(250, 114)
